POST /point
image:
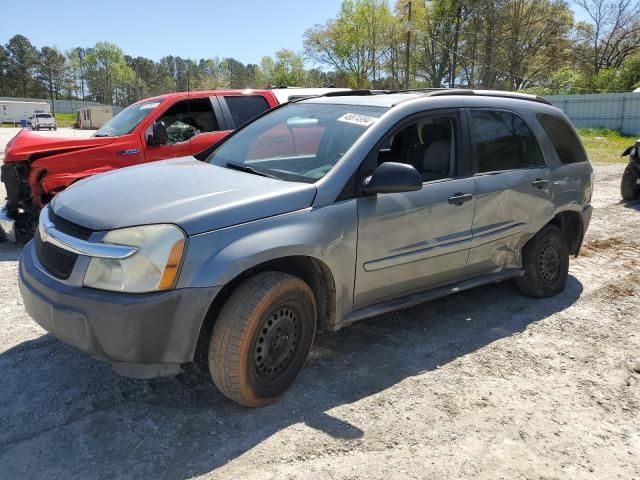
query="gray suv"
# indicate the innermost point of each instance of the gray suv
(317, 214)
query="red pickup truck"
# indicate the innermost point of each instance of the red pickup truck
(177, 124)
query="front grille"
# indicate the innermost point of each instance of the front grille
(55, 260)
(65, 226)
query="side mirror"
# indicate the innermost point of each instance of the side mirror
(392, 177)
(158, 135)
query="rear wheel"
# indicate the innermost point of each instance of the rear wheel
(629, 188)
(262, 337)
(545, 259)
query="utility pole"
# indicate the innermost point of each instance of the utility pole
(408, 52)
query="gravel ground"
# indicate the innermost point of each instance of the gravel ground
(483, 384)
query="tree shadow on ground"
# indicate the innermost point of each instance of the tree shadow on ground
(63, 413)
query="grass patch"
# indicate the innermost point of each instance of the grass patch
(605, 145)
(65, 119)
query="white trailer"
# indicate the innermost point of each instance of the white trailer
(15, 112)
(93, 117)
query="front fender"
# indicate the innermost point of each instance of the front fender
(327, 234)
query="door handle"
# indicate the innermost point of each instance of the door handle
(540, 183)
(460, 198)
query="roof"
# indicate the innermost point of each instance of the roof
(37, 102)
(213, 93)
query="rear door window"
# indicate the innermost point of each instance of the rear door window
(563, 138)
(245, 107)
(503, 141)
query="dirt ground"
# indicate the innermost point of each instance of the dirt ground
(484, 384)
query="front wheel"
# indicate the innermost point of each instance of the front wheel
(545, 259)
(629, 188)
(262, 337)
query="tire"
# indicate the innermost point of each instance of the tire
(262, 337)
(545, 259)
(629, 188)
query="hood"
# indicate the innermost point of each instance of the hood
(197, 196)
(26, 144)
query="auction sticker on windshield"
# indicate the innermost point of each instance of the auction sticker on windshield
(149, 106)
(357, 119)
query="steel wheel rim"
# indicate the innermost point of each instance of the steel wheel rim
(549, 262)
(276, 343)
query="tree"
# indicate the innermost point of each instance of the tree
(21, 63)
(614, 32)
(537, 41)
(76, 69)
(630, 73)
(353, 42)
(287, 69)
(108, 74)
(4, 63)
(50, 72)
(437, 36)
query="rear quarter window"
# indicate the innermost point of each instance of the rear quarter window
(564, 140)
(245, 107)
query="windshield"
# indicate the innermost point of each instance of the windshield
(300, 142)
(43, 115)
(127, 119)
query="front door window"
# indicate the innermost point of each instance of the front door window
(188, 118)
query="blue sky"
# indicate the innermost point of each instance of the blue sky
(243, 29)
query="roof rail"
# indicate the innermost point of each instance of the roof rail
(345, 93)
(489, 93)
(439, 92)
(409, 90)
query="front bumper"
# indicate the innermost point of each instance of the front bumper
(141, 334)
(7, 226)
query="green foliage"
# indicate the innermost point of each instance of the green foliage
(355, 43)
(22, 59)
(65, 119)
(604, 145)
(630, 74)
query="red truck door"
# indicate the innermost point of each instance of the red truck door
(190, 123)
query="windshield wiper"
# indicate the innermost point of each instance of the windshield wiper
(102, 135)
(246, 169)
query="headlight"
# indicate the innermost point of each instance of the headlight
(153, 267)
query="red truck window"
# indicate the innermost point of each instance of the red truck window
(244, 108)
(189, 118)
